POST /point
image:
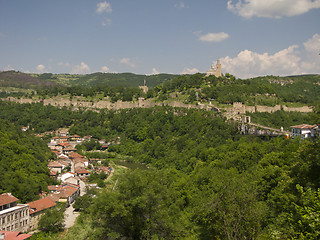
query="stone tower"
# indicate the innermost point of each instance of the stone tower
(216, 71)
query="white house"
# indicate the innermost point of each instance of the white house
(305, 131)
(66, 175)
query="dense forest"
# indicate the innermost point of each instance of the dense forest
(205, 181)
(23, 163)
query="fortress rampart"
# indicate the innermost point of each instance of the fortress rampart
(76, 102)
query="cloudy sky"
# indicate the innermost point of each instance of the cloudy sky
(250, 37)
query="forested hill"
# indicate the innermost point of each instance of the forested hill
(105, 79)
(267, 90)
(23, 163)
(122, 79)
(23, 80)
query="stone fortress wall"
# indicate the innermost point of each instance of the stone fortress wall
(242, 108)
(238, 107)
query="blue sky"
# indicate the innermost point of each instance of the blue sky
(250, 37)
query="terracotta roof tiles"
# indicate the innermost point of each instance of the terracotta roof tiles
(7, 198)
(41, 204)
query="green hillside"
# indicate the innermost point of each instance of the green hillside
(23, 80)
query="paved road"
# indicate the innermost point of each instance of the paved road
(70, 215)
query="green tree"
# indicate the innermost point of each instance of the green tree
(53, 219)
(143, 207)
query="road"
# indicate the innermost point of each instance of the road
(70, 215)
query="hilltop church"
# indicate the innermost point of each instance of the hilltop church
(216, 71)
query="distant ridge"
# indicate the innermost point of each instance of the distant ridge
(23, 80)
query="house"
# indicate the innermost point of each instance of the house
(64, 145)
(80, 161)
(37, 209)
(66, 193)
(55, 166)
(62, 132)
(55, 140)
(13, 216)
(53, 174)
(83, 173)
(16, 235)
(72, 180)
(66, 175)
(305, 131)
(87, 138)
(104, 147)
(68, 149)
(104, 169)
(74, 155)
(76, 138)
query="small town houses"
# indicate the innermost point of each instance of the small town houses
(306, 131)
(69, 168)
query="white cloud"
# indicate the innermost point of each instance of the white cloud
(180, 5)
(214, 37)
(189, 71)
(83, 68)
(272, 8)
(154, 71)
(104, 69)
(313, 45)
(249, 64)
(127, 61)
(104, 7)
(312, 62)
(40, 68)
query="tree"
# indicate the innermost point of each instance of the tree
(53, 219)
(143, 207)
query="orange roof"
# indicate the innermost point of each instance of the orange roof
(303, 126)
(54, 164)
(83, 171)
(53, 173)
(14, 235)
(64, 144)
(41, 204)
(7, 198)
(75, 155)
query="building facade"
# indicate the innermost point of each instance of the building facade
(13, 216)
(216, 71)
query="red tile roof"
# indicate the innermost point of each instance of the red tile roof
(41, 204)
(14, 235)
(82, 171)
(54, 164)
(303, 126)
(64, 144)
(53, 173)
(75, 155)
(7, 198)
